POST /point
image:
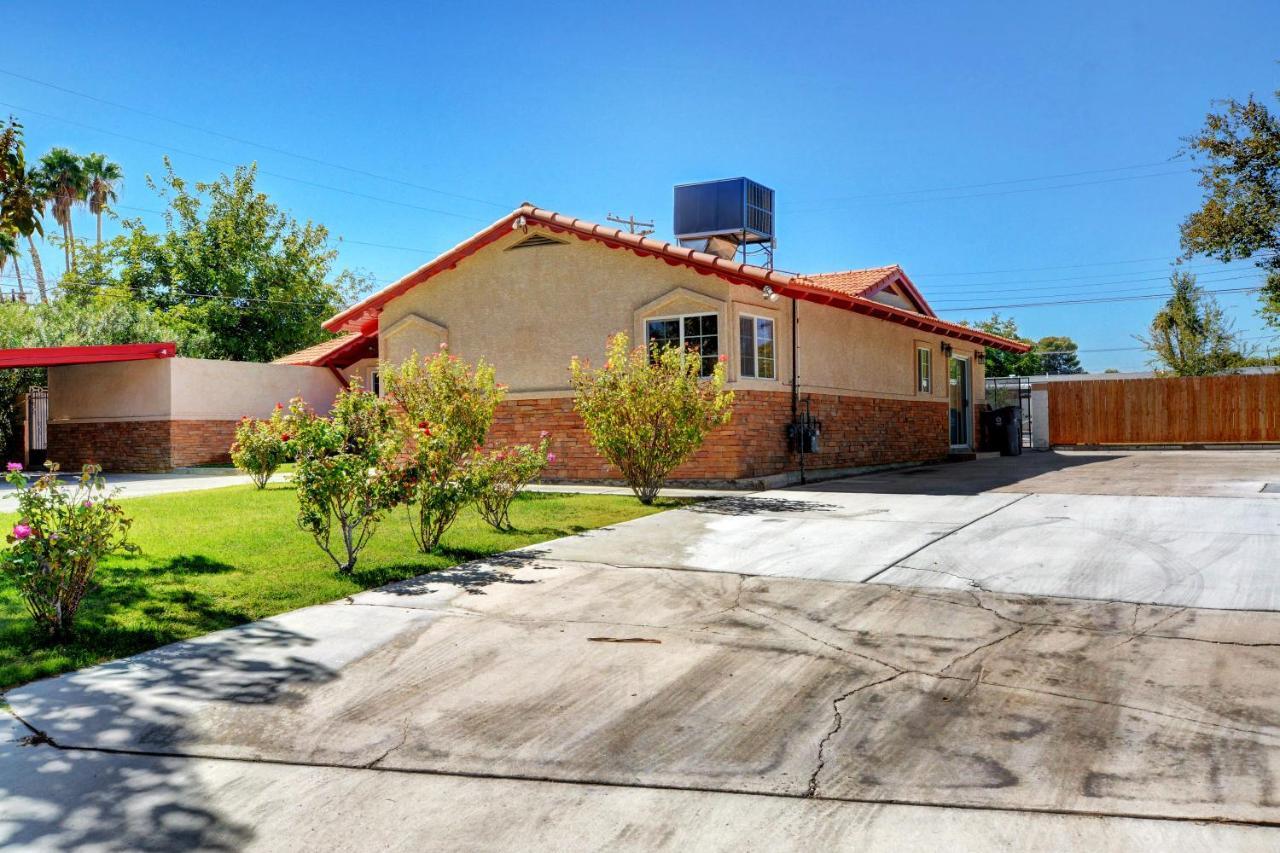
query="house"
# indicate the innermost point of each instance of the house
(859, 351)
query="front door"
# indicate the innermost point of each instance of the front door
(958, 391)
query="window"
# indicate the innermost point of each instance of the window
(375, 382)
(924, 370)
(696, 332)
(756, 342)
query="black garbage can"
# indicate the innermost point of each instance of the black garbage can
(1006, 430)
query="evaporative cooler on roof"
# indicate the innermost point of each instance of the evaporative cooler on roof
(724, 216)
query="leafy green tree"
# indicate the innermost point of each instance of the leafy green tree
(1001, 363)
(1190, 335)
(1239, 154)
(229, 262)
(1058, 355)
(647, 411)
(102, 177)
(61, 176)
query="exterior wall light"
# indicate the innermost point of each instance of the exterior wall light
(947, 349)
(769, 294)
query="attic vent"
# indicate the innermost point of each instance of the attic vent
(533, 241)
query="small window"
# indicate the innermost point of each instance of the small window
(375, 382)
(924, 370)
(757, 347)
(696, 332)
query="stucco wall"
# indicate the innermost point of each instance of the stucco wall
(529, 311)
(182, 389)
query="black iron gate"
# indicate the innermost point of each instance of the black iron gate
(36, 431)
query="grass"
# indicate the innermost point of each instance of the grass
(222, 557)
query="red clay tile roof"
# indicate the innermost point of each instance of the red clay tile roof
(855, 282)
(324, 353)
(363, 316)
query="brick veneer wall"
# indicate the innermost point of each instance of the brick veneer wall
(856, 431)
(138, 446)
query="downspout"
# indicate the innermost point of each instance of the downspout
(795, 388)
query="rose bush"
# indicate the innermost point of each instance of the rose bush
(61, 535)
(346, 476)
(502, 473)
(648, 410)
(445, 407)
(261, 446)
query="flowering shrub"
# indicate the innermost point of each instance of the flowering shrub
(261, 446)
(647, 410)
(445, 408)
(346, 477)
(60, 536)
(503, 473)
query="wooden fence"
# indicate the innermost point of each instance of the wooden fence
(1191, 410)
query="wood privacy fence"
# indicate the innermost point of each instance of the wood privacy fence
(1186, 410)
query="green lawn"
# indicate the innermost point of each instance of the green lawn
(222, 557)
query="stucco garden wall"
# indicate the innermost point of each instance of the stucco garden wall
(167, 413)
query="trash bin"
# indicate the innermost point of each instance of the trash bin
(1006, 432)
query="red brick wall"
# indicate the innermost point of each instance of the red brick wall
(136, 446)
(856, 431)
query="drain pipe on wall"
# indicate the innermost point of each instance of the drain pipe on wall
(795, 389)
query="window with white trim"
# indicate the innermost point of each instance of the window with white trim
(756, 345)
(698, 333)
(924, 370)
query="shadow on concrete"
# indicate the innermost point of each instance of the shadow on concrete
(70, 798)
(964, 478)
(472, 577)
(754, 505)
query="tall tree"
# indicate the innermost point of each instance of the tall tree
(1238, 150)
(1058, 355)
(1001, 363)
(63, 178)
(9, 252)
(229, 262)
(101, 179)
(21, 201)
(1190, 335)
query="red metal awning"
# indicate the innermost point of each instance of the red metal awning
(54, 356)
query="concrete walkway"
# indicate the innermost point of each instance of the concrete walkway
(719, 680)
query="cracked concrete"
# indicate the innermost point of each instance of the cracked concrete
(774, 703)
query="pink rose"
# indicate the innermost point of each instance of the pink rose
(21, 531)
(14, 466)
(87, 504)
(551, 457)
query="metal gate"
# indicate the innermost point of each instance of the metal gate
(37, 428)
(1012, 391)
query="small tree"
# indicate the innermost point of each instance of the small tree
(60, 536)
(503, 473)
(346, 477)
(1058, 354)
(445, 407)
(649, 410)
(261, 446)
(1190, 335)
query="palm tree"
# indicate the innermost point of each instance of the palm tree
(101, 176)
(21, 199)
(9, 252)
(31, 186)
(63, 179)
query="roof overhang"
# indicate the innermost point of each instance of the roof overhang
(363, 316)
(58, 356)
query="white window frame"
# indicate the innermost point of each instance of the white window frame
(755, 346)
(680, 318)
(924, 381)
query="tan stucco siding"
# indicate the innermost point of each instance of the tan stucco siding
(529, 311)
(182, 389)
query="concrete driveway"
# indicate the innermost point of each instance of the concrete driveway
(722, 677)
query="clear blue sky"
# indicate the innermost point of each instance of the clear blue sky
(861, 116)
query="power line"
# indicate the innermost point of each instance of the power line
(166, 147)
(995, 289)
(242, 141)
(1100, 299)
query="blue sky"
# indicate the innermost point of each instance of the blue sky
(892, 133)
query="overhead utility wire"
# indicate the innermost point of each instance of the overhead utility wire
(303, 181)
(1100, 299)
(242, 141)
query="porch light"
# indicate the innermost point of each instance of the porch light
(769, 294)
(946, 349)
